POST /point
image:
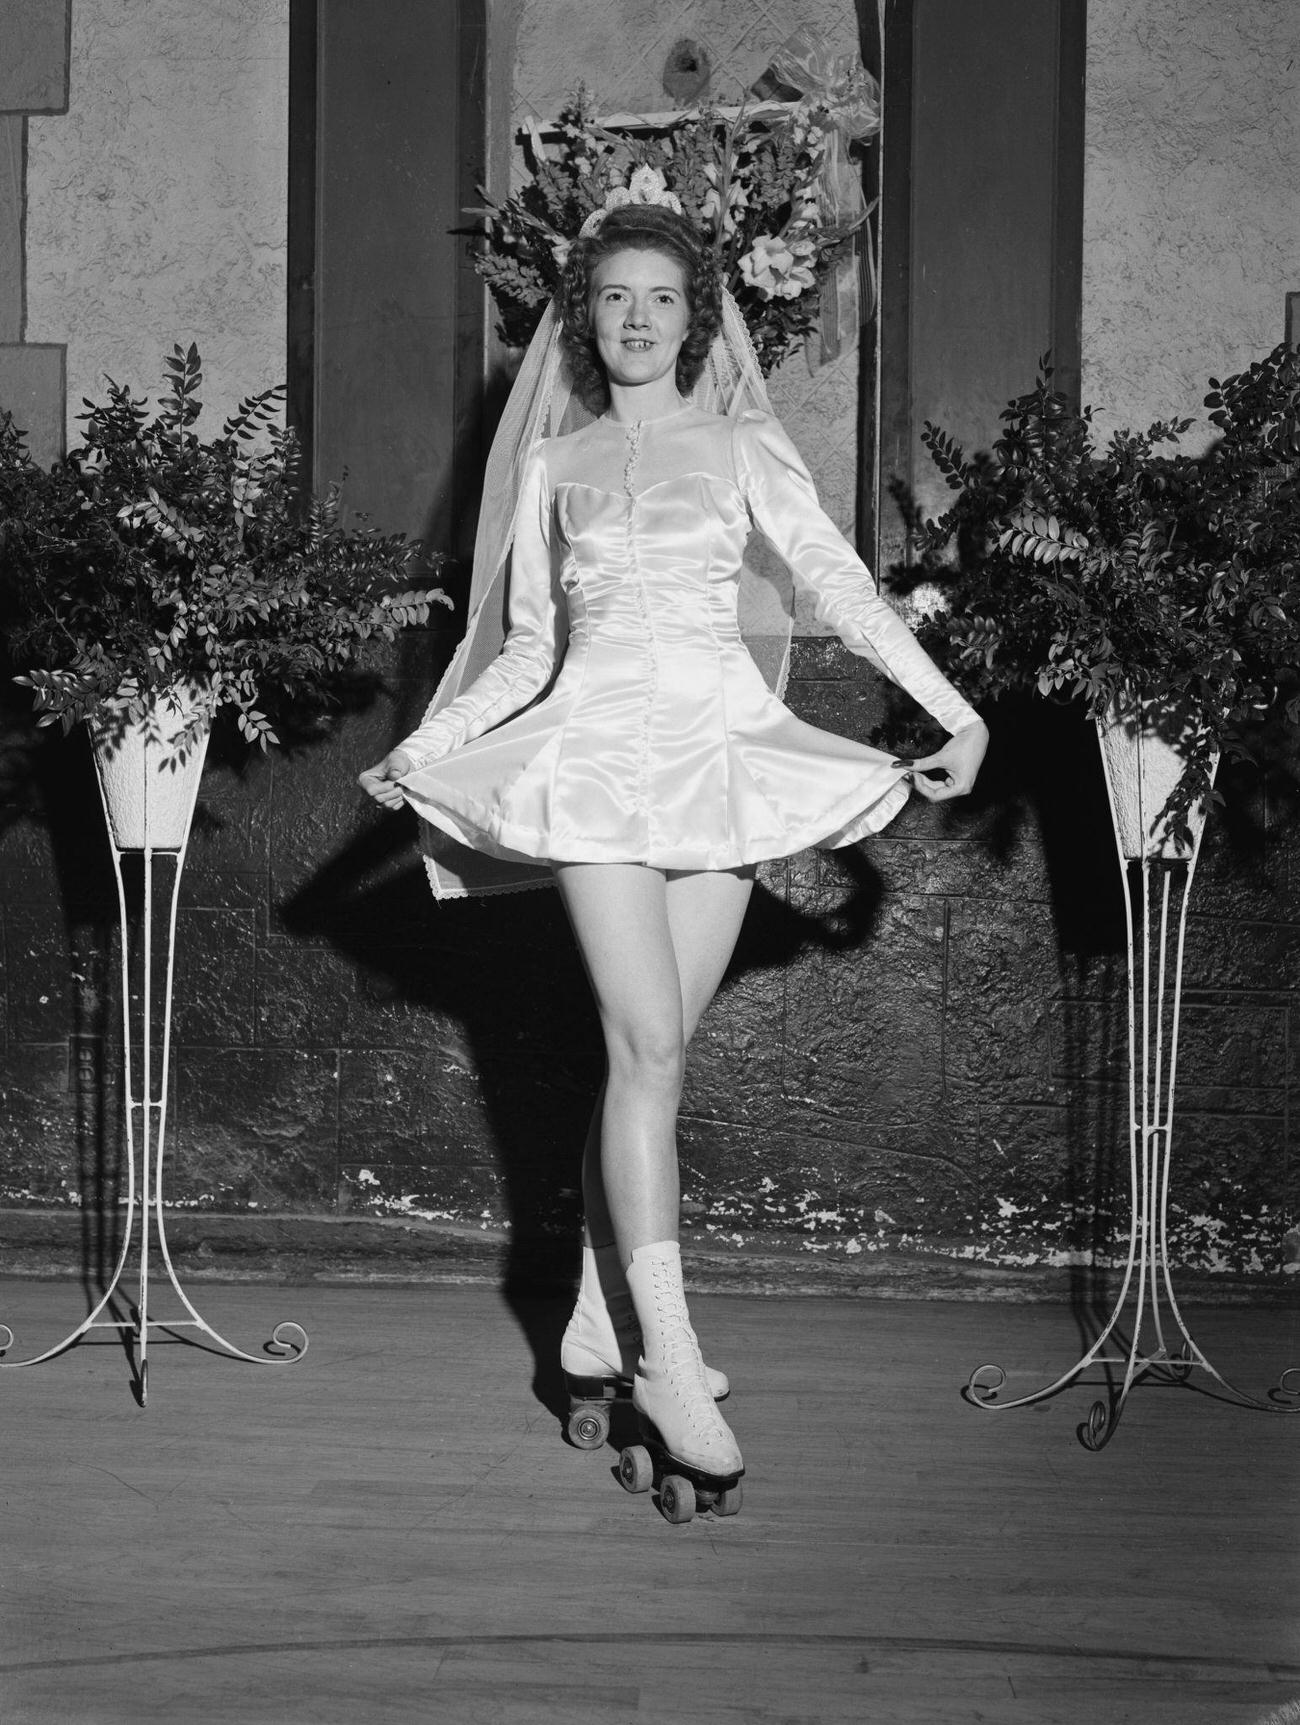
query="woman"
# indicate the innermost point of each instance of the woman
(658, 769)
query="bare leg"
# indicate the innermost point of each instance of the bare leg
(655, 948)
(705, 912)
(598, 1230)
(619, 914)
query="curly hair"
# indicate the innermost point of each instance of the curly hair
(647, 228)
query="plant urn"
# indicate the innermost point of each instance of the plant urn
(1144, 756)
(149, 783)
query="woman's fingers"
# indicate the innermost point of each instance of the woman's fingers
(380, 782)
(383, 790)
(935, 790)
(954, 767)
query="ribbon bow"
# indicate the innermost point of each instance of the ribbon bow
(844, 100)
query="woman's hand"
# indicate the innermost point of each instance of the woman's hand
(954, 766)
(380, 782)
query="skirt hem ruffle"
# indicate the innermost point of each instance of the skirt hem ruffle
(514, 844)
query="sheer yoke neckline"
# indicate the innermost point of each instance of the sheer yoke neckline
(648, 418)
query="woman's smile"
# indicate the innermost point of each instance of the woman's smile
(640, 314)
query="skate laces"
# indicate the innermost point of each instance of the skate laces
(681, 1369)
(678, 1366)
(670, 1297)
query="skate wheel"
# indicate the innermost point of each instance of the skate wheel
(677, 1499)
(588, 1427)
(728, 1502)
(636, 1470)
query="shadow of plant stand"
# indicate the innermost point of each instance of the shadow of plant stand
(149, 795)
(1140, 770)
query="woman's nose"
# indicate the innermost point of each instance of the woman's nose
(637, 314)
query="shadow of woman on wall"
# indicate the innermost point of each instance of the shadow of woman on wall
(514, 1038)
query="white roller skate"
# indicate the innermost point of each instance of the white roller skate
(601, 1348)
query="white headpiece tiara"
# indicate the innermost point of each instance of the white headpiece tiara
(647, 186)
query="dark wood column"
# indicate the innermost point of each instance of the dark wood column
(387, 144)
(982, 219)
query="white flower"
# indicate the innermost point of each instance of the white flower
(779, 268)
(560, 250)
(648, 186)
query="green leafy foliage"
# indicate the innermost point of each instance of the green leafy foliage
(1134, 575)
(148, 558)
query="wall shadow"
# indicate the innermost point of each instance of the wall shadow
(57, 866)
(505, 970)
(1044, 786)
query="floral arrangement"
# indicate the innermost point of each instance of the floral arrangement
(761, 183)
(149, 558)
(1129, 576)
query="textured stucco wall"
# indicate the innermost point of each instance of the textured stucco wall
(617, 49)
(1192, 198)
(157, 203)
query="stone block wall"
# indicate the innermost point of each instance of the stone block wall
(920, 1044)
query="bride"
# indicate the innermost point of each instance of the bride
(625, 739)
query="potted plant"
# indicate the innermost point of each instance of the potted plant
(151, 580)
(1161, 589)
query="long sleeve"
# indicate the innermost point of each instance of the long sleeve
(533, 645)
(783, 504)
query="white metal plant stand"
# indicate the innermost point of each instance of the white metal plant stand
(149, 803)
(1141, 769)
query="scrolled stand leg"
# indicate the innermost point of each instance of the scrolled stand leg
(1287, 1388)
(145, 1148)
(1146, 1304)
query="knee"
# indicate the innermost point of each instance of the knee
(650, 1056)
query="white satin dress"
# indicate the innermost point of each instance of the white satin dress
(657, 740)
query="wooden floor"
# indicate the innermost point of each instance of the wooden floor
(394, 1529)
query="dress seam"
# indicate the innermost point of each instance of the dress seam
(723, 694)
(567, 719)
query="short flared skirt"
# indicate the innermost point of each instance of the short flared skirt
(718, 780)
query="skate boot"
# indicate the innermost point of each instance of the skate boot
(601, 1347)
(688, 1449)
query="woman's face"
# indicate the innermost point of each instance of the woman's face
(640, 314)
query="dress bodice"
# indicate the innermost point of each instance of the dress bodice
(638, 533)
(665, 561)
(625, 720)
